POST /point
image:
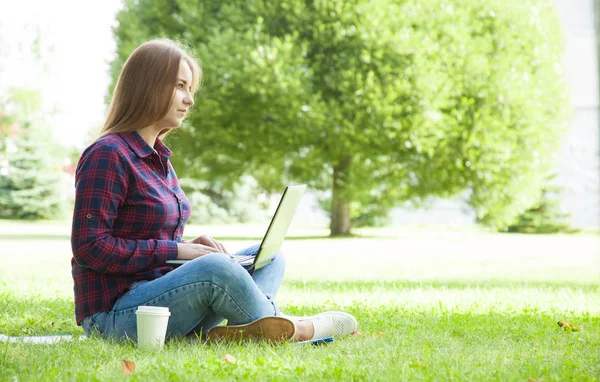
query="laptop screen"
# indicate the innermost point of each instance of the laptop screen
(279, 225)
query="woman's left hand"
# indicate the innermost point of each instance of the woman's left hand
(208, 241)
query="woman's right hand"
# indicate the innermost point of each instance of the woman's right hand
(189, 251)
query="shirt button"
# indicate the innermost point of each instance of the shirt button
(89, 216)
(180, 219)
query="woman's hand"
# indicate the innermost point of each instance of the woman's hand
(189, 251)
(209, 242)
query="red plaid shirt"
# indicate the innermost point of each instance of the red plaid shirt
(129, 215)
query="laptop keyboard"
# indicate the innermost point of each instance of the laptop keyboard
(244, 260)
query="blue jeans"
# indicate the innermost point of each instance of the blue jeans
(199, 294)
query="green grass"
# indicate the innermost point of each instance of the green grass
(431, 306)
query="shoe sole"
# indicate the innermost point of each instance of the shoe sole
(271, 329)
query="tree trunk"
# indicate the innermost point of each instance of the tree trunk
(340, 205)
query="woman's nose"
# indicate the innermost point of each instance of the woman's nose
(188, 100)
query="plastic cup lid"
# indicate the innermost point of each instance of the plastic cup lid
(153, 310)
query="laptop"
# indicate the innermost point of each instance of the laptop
(276, 232)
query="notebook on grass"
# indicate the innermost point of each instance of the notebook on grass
(271, 242)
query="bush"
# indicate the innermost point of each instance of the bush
(545, 216)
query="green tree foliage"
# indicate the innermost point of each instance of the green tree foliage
(30, 172)
(213, 203)
(378, 102)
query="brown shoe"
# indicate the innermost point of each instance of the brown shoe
(272, 329)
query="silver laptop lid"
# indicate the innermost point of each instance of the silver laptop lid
(279, 225)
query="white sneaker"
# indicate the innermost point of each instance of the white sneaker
(333, 324)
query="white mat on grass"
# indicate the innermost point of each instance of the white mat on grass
(39, 339)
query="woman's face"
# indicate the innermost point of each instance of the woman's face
(182, 100)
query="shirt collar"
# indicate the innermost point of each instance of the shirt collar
(143, 149)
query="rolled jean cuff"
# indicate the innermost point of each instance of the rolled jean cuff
(275, 307)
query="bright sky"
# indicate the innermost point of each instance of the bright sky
(77, 46)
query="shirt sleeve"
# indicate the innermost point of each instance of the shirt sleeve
(100, 188)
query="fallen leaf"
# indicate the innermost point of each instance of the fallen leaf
(531, 379)
(356, 334)
(563, 324)
(228, 358)
(127, 367)
(568, 327)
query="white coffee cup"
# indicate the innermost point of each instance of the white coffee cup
(152, 324)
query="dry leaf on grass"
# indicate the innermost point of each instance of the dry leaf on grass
(568, 327)
(228, 358)
(127, 367)
(356, 334)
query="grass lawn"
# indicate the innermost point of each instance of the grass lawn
(431, 306)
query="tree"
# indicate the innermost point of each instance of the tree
(545, 215)
(30, 170)
(378, 102)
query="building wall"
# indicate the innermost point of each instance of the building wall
(579, 165)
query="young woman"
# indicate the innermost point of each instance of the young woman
(129, 218)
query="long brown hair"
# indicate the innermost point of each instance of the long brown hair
(146, 86)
